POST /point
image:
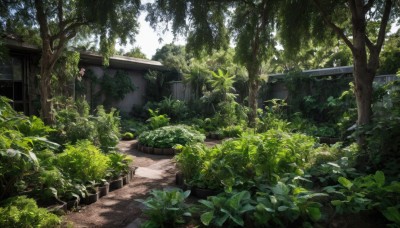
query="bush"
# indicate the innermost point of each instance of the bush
(107, 126)
(23, 212)
(169, 136)
(118, 163)
(156, 120)
(83, 161)
(166, 208)
(128, 136)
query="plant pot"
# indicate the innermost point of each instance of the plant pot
(168, 151)
(125, 179)
(59, 207)
(203, 193)
(116, 184)
(158, 151)
(91, 198)
(73, 203)
(132, 172)
(179, 179)
(103, 190)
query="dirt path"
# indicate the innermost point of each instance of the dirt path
(119, 208)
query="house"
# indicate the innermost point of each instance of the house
(18, 76)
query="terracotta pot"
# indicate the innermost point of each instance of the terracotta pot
(104, 190)
(91, 198)
(116, 184)
(158, 151)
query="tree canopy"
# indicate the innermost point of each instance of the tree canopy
(58, 22)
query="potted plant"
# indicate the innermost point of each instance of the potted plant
(119, 169)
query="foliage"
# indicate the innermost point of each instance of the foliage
(169, 136)
(107, 126)
(157, 121)
(367, 193)
(175, 109)
(226, 209)
(23, 212)
(118, 164)
(282, 204)
(134, 126)
(74, 123)
(166, 208)
(237, 163)
(116, 87)
(128, 136)
(84, 162)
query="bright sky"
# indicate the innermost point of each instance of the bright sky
(149, 40)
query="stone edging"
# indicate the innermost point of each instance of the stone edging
(155, 150)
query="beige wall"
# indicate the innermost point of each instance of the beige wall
(131, 99)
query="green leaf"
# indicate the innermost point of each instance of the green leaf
(345, 182)
(314, 213)
(392, 214)
(336, 202)
(207, 203)
(283, 208)
(207, 217)
(219, 221)
(379, 178)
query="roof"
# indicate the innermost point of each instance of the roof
(119, 62)
(319, 72)
(122, 62)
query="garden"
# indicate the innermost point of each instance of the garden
(241, 147)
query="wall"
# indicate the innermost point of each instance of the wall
(135, 98)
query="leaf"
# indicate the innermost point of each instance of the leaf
(221, 220)
(314, 213)
(345, 182)
(392, 214)
(207, 203)
(379, 178)
(283, 208)
(207, 217)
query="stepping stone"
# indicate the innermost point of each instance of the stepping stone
(150, 173)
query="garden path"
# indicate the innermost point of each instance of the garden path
(119, 208)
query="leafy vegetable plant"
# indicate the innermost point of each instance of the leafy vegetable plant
(166, 208)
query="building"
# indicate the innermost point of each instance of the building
(19, 76)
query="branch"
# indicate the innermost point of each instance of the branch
(368, 6)
(383, 25)
(42, 20)
(369, 44)
(335, 28)
(60, 14)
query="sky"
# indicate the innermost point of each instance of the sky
(148, 39)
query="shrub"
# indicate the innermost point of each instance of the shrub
(166, 208)
(83, 161)
(23, 212)
(107, 126)
(128, 136)
(118, 163)
(156, 120)
(169, 136)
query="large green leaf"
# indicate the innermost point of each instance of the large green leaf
(379, 178)
(207, 217)
(314, 213)
(392, 214)
(345, 182)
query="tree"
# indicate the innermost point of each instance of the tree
(60, 21)
(360, 24)
(135, 52)
(251, 24)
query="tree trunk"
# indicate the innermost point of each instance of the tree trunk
(45, 90)
(253, 94)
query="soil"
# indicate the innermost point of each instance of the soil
(119, 208)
